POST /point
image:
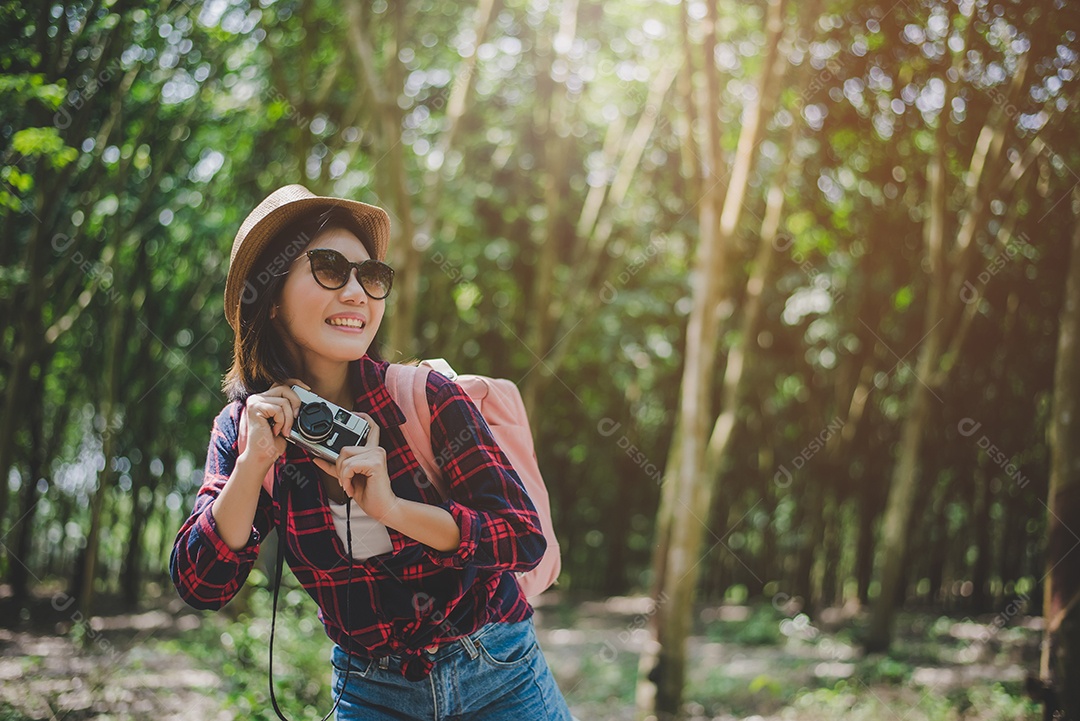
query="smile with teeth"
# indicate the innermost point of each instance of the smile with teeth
(347, 322)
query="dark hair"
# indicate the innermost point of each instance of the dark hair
(260, 357)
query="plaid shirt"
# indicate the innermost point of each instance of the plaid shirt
(402, 601)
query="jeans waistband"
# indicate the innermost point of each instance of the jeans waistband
(434, 652)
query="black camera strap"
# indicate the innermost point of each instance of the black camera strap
(282, 532)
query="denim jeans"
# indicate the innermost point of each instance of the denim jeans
(498, 673)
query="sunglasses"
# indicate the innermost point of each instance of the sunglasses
(331, 270)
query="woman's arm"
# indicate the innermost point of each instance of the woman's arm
(235, 506)
(430, 525)
(206, 569)
(363, 475)
(498, 524)
(488, 521)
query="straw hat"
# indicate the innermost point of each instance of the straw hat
(276, 212)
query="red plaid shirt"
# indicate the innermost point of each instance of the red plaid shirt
(407, 599)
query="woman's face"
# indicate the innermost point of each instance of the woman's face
(306, 309)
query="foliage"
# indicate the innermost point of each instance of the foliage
(760, 628)
(238, 652)
(9, 713)
(134, 140)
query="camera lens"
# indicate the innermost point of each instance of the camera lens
(315, 421)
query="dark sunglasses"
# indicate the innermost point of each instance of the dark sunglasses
(331, 270)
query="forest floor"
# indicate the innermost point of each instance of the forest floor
(745, 662)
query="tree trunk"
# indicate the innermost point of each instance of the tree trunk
(111, 405)
(592, 234)
(20, 570)
(553, 129)
(864, 545)
(980, 572)
(898, 511)
(140, 479)
(699, 454)
(384, 87)
(939, 545)
(946, 322)
(28, 344)
(831, 553)
(1061, 596)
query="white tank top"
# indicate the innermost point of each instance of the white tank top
(369, 537)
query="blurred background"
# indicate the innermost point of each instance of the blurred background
(785, 286)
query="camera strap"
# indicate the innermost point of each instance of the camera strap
(282, 532)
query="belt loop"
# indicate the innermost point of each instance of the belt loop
(470, 647)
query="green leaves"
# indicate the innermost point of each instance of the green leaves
(42, 142)
(32, 86)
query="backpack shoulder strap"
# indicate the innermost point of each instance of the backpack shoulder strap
(407, 385)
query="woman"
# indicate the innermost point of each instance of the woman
(436, 626)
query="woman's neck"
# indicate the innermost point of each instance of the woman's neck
(330, 381)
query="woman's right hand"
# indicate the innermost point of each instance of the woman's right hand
(266, 421)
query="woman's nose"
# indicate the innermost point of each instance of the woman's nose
(353, 288)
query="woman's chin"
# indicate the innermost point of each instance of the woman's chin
(342, 347)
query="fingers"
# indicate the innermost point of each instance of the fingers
(362, 464)
(359, 467)
(372, 440)
(345, 481)
(283, 397)
(278, 412)
(357, 464)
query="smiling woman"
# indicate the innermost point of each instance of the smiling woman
(417, 591)
(260, 356)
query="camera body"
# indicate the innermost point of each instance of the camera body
(325, 428)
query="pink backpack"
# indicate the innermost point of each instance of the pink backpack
(500, 403)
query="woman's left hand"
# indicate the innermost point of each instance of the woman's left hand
(361, 470)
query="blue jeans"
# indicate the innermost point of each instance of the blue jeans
(496, 673)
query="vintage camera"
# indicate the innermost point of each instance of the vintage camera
(324, 428)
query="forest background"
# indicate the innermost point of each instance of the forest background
(791, 290)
